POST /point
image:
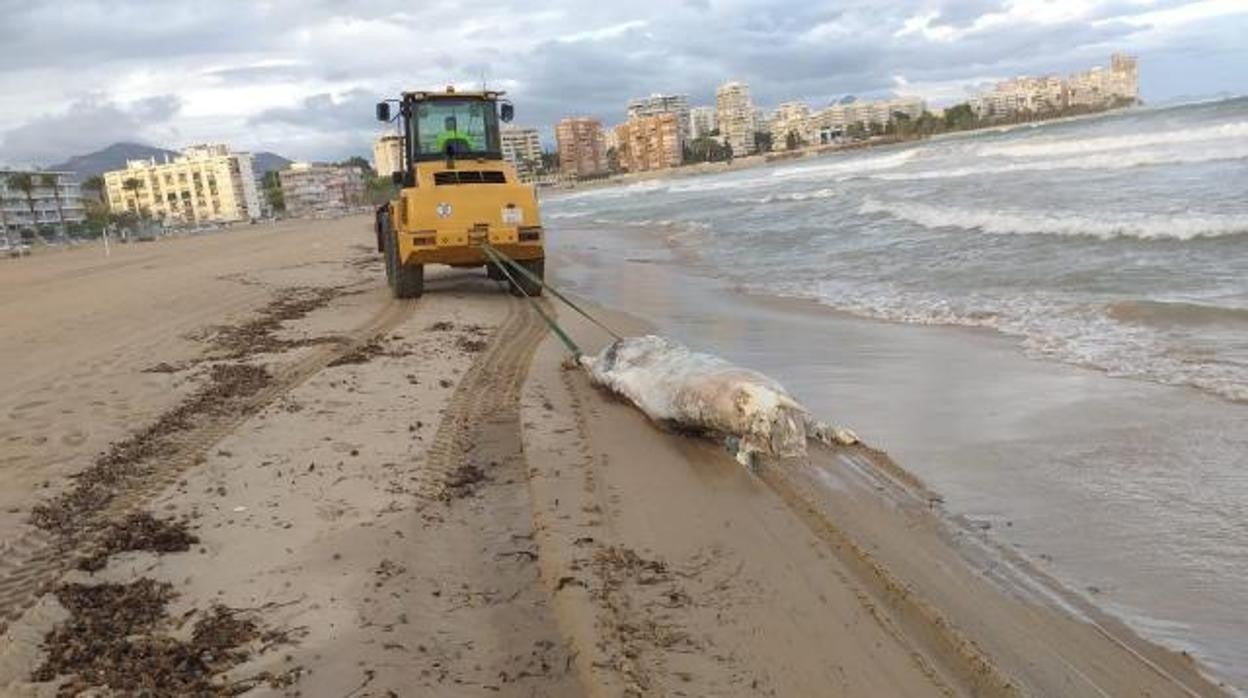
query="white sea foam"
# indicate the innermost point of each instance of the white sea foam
(1148, 227)
(562, 215)
(1079, 333)
(1222, 133)
(824, 193)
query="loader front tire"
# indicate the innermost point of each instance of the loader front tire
(406, 280)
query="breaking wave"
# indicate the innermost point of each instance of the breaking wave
(849, 166)
(1221, 132)
(1100, 161)
(1081, 334)
(1145, 227)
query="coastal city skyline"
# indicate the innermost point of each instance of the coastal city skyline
(281, 93)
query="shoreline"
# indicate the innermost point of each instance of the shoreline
(419, 496)
(969, 414)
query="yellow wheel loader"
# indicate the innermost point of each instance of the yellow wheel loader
(456, 192)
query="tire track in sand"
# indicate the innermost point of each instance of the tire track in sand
(497, 628)
(32, 562)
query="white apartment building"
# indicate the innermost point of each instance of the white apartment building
(54, 196)
(657, 104)
(388, 154)
(522, 147)
(734, 112)
(701, 121)
(206, 183)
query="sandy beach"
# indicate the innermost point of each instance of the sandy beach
(287, 483)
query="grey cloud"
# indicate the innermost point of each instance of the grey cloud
(690, 47)
(88, 124)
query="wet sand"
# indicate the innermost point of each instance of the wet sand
(1121, 488)
(419, 499)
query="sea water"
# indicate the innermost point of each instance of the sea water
(1103, 431)
(1119, 243)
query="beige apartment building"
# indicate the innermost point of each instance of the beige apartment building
(388, 154)
(734, 112)
(1097, 87)
(522, 147)
(206, 183)
(649, 143)
(1102, 87)
(582, 150)
(790, 118)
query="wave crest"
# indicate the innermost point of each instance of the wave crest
(1155, 227)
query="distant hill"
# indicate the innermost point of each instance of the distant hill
(114, 157)
(267, 162)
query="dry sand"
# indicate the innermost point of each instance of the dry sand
(368, 497)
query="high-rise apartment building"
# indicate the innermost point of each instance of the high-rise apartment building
(649, 143)
(582, 152)
(321, 190)
(657, 104)
(734, 112)
(522, 147)
(701, 121)
(206, 183)
(388, 154)
(55, 197)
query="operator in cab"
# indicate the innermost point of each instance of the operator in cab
(452, 138)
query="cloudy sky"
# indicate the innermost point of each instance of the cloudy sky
(299, 77)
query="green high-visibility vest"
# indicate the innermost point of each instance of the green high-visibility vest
(453, 135)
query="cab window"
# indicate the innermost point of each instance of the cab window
(462, 126)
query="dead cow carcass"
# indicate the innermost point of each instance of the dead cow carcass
(700, 392)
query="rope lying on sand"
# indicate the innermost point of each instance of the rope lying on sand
(691, 390)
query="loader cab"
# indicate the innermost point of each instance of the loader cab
(447, 127)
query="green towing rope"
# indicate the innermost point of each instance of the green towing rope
(502, 261)
(534, 278)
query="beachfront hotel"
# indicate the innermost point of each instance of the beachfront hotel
(55, 197)
(206, 183)
(582, 150)
(734, 112)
